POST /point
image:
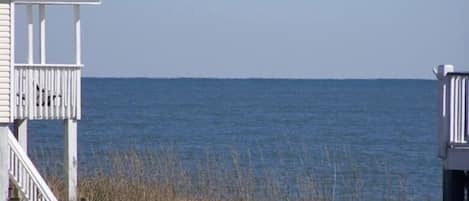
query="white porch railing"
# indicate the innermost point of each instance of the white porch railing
(47, 91)
(25, 176)
(457, 105)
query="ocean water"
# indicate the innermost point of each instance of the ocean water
(386, 127)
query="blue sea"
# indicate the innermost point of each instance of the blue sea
(386, 128)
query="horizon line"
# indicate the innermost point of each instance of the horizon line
(251, 78)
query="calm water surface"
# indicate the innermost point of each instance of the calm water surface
(387, 127)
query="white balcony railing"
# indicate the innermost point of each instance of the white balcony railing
(457, 105)
(47, 91)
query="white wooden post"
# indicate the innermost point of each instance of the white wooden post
(77, 31)
(21, 125)
(42, 33)
(30, 28)
(443, 113)
(21, 132)
(71, 159)
(78, 61)
(4, 161)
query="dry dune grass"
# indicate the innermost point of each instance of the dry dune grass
(146, 176)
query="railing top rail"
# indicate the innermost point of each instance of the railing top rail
(51, 65)
(28, 165)
(59, 2)
(458, 74)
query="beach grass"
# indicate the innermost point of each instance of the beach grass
(162, 176)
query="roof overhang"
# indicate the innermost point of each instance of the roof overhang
(59, 2)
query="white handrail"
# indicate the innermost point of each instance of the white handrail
(51, 65)
(25, 176)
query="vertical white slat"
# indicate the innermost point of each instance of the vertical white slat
(26, 92)
(70, 114)
(466, 132)
(456, 109)
(26, 87)
(451, 110)
(54, 88)
(57, 89)
(21, 91)
(65, 84)
(78, 94)
(69, 93)
(65, 94)
(21, 85)
(45, 94)
(31, 98)
(38, 94)
(62, 91)
(460, 126)
(31, 187)
(17, 91)
(74, 94)
(18, 73)
(459, 109)
(463, 108)
(34, 192)
(48, 92)
(40, 81)
(52, 93)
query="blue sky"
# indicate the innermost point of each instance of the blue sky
(261, 38)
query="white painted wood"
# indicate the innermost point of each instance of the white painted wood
(59, 2)
(71, 159)
(77, 32)
(49, 65)
(42, 33)
(4, 162)
(21, 133)
(47, 91)
(6, 37)
(12, 59)
(24, 174)
(451, 110)
(30, 30)
(4, 74)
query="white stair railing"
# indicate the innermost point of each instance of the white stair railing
(25, 176)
